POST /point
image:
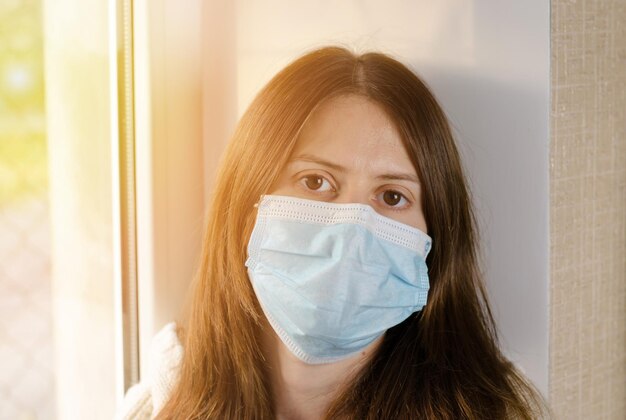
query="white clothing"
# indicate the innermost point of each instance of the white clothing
(145, 399)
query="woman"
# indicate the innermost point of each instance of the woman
(339, 275)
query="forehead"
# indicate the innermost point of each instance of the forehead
(352, 129)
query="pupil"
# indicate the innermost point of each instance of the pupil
(313, 182)
(391, 197)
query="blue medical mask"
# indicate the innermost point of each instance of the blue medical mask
(332, 278)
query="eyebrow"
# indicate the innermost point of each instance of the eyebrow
(393, 176)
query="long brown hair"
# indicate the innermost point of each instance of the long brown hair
(442, 362)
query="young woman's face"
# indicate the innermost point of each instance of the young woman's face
(350, 151)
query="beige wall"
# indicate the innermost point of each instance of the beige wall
(588, 210)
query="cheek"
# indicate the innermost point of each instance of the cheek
(414, 217)
(421, 222)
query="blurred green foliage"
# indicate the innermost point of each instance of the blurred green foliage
(23, 154)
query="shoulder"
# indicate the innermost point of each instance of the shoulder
(147, 397)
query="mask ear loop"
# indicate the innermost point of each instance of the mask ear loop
(256, 205)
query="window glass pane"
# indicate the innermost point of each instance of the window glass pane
(26, 341)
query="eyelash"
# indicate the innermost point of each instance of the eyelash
(302, 183)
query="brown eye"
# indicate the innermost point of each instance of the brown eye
(392, 198)
(316, 183)
(313, 182)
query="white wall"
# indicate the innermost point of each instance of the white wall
(185, 107)
(488, 64)
(78, 135)
(170, 167)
